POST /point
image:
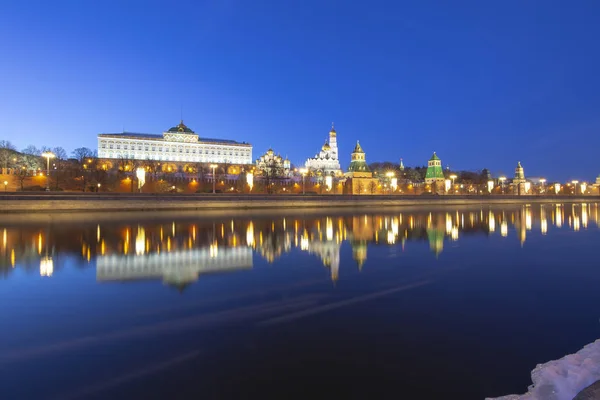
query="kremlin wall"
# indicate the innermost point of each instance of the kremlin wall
(181, 161)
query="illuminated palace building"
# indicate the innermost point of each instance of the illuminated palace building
(178, 144)
(181, 253)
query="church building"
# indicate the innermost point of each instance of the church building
(326, 162)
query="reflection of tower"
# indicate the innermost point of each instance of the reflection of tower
(436, 240)
(436, 228)
(521, 225)
(359, 252)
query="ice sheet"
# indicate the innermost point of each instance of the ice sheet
(562, 379)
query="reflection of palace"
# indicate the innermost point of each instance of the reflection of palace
(180, 252)
(177, 267)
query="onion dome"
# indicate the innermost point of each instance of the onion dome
(332, 131)
(326, 146)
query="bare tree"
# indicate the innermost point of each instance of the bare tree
(32, 150)
(7, 151)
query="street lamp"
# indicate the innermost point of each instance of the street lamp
(303, 171)
(502, 179)
(453, 177)
(393, 181)
(214, 166)
(543, 182)
(48, 156)
(575, 188)
(99, 187)
(5, 185)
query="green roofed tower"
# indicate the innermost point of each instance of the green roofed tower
(434, 169)
(358, 162)
(435, 174)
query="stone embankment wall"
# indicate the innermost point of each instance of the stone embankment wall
(92, 202)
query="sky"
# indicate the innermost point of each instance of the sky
(483, 83)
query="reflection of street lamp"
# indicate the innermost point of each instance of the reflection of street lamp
(48, 156)
(5, 185)
(575, 188)
(502, 179)
(214, 166)
(303, 171)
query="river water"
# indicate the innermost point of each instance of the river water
(392, 303)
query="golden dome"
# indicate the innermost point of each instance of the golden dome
(326, 147)
(332, 132)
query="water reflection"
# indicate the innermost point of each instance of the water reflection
(178, 252)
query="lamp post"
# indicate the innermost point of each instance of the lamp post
(453, 177)
(99, 187)
(214, 167)
(393, 183)
(303, 171)
(575, 188)
(502, 179)
(5, 185)
(48, 156)
(543, 183)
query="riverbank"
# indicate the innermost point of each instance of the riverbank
(110, 202)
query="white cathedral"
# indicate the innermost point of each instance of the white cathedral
(326, 161)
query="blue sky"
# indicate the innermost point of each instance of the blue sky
(482, 83)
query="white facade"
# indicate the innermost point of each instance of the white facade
(178, 144)
(184, 265)
(327, 159)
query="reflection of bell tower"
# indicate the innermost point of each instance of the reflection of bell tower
(359, 253)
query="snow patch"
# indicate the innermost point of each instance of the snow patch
(562, 379)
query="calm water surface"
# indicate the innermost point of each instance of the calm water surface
(411, 303)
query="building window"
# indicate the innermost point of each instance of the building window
(153, 148)
(118, 147)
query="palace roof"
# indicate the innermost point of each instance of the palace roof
(153, 136)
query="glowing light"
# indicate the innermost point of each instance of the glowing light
(556, 188)
(250, 234)
(490, 186)
(12, 258)
(527, 186)
(329, 229)
(504, 229)
(140, 173)
(329, 182)
(46, 266)
(528, 218)
(449, 225)
(40, 243)
(250, 179)
(447, 185)
(140, 241)
(213, 250)
(583, 187)
(558, 216)
(454, 233)
(491, 222)
(584, 215)
(391, 238)
(4, 238)
(394, 183)
(98, 234)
